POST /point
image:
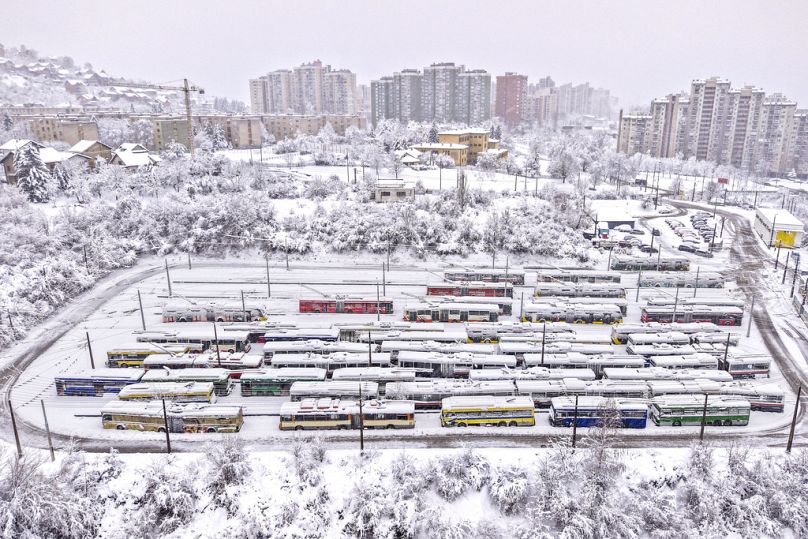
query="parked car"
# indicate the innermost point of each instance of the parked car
(687, 248)
(703, 252)
(648, 249)
(637, 231)
(623, 228)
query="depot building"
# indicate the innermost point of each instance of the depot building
(778, 227)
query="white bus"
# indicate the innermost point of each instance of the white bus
(678, 410)
(660, 373)
(348, 390)
(430, 393)
(692, 361)
(669, 337)
(532, 373)
(394, 348)
(458, 365)
(331, 362)
(328, 413)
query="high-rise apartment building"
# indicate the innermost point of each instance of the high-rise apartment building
(511, 98)
(472, 100)
(775, 134)
(407, 95)
(634, 133)
(311, 88)
(438, 91)
(740, 131)
(381, 100)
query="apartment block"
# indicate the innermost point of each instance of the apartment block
(168, 129)
(283, 126)
(511, 98)
(240, 131)
(69, 131)
(407, 88)
(633, 135)
(311, 88)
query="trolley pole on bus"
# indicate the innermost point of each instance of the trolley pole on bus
(142, 316)
(543, 335)
(90, 349)
(269, 290)
(47, 430)
(165, 424)
(751, 312)
(658, 258)
(575, 422)
(696, 287)
(216, 344)
(168, 278)
(703, 419)
(609, 261)
(794, 420)
(14, 426)
(639, 280)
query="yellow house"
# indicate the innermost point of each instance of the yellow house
(475, 138)
(458, 152)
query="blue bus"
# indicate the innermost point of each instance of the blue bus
(595, 411)
(97, 382)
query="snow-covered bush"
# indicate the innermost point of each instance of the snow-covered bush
(453, 475)
(509, 489)
(229, 468)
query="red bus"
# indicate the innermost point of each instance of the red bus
(347, 305)
(476, 288)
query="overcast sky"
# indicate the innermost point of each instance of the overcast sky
(638, 49)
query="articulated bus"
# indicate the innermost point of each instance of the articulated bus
(681, 279)
(454, 334)
(331, 362)
(721, 316)
(486, 276)
(220, 378)
(278, 348)
(493, 332)
(621, 303)
(591, 411)
(394, 348)
(621, 333)
(347, 390)
(430, 393)
(660, 373)
(133, 356)
(451, 312)
(453, 365)
(353, 331)
(484, 410)
(520, 349)
(478, 288)
(148, 416)
(212, 313)
(645, 263)
(579, 290)
(173, 391)
(574, 314)
(199, 336)
(346, 305)
(97, 382)
(578, 276)
(532, 373)
(678, 410)
(336, 414)
(277, 382)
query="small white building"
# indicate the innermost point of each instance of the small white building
(776, 226)
(393, 191)
(131, 156)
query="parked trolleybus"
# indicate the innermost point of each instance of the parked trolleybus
(492, 332)
(336, 414)
(353, 331)
(484, 410)
(455, 365)
(430, 393)
(133, 356)
(504, 304)
(645, 263)
(212, 312)
(396, 347)
(170, 391)
(532, 373)
(660, 373)
(574, 314)
(542, 392)
(454, 334)
(97, 382)
(763, 397)
(451, 312)
(346, 305)
(722, 316)
(590, 411)
(380, 375)
(348, 390)
(486, 275)
(620, 303)
(199, 336)
(473, 288)
(590, 290)
(277, 348)
(678, 410)
(180, 361)
(331, 362)
(276, 382)
(620, 333)
(220, 378)
(690, 361)
(670, 337)
(746, 366)
(301, 334)
(681, 279)
(578, 276)
(148, 416)
(519, 349)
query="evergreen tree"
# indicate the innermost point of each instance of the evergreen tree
(498, 133)
(8, 123)
(433, 134)
(491, 132)
(33, 176)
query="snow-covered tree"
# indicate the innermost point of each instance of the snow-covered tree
(442, 161)
(487, 161)
(433, 134)
(33, 177)
(140, 132)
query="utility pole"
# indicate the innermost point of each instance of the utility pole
(751, 312)
(269, 290)
(361, 421)
(609, 261)
(14, 427)
(794, 280)
(575, 422)
(771, 237)
(639, 280)
(777, 258)
(543, 338)
(189, 260)
(244, 307)
(216, 344)
(378, 302)
(675, 304)
(86, 265)
(695, 288)
(785, 268)
(370, 351)
(142, 316)
(47, 430)
(522, 307)
(165, 425)
(168, 278)
(658, 258)
(726, 348)
(90, 349)
(286, 248)
(384, 281)
(703, 419)
(794, 420)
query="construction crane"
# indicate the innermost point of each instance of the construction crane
(185, 89)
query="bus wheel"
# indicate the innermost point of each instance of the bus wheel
(513, 424)
(727, 422)
(220, 319)
(210, 429)
(120, 427)
(390, 426)
(502, 424)
(677, 423)
(299, 427)
(461, 425)
(161, 429)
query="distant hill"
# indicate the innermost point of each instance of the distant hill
(28, 78)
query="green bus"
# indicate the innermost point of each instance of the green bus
(274, 382)
(678, 410)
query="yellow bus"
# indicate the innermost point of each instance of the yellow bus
(133, 356)
(335, 414)
(487, 410)
(148, 416)
(173, 391)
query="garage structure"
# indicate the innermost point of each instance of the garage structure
(778, 227)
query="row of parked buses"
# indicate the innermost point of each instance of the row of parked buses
(473, 288)
(591, 290)
(176, 417)
(716, 314)
(645, 263)
(212, 312)
(681, 279)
